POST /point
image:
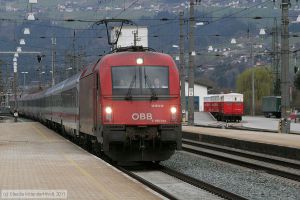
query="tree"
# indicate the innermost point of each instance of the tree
(297, 81)
(263, 84)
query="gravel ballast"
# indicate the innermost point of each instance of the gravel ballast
(251, 184)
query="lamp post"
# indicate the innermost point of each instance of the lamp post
(233, 41)
(15, 84)
(53, 42)
(68, 72)
(39, 59)
(45, 83)
(253, 81)
(191, 64)
(24, 80)
(182, 67)
(285, 83)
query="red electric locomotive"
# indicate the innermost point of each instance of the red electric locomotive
(136, 105)
(127, 105)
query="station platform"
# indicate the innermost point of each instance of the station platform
(277, 144)
(35, 159)
(258, 123)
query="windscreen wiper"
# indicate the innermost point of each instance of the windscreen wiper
(153, 94)
(128, 95)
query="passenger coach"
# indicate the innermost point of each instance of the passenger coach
(225, 107)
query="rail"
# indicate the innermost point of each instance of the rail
(201, 184)
(147, 183)
(270, 164)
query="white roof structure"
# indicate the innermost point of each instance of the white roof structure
(230, 97)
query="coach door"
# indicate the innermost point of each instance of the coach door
(97, 116)
(86, 103)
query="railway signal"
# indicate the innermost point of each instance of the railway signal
(39, 58)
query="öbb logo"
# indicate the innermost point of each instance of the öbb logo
(141, 116)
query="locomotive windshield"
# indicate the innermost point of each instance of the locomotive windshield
(145, 80)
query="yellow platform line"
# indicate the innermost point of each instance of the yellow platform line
(41, 133)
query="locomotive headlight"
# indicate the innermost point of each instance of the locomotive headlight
(108, 110)
(139, 61)
(173, 113)
(173, 110)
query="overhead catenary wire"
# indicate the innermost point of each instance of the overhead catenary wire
(224, 17)
(169, 21)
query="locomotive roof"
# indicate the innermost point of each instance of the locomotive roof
(130, 53)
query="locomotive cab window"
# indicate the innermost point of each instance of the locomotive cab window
(124, 77)
(155, 77)
(142, 81)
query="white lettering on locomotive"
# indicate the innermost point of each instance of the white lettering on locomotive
(149, 116)
(141, 116)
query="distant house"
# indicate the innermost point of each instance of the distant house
(10, 8)
(69, 10)
(138, 7)
(61, 8)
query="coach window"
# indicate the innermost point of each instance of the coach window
(76, 97)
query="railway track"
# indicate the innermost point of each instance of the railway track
(222, 125)
(184, 178)
(147, 183)
(201, 184)
(286, 168)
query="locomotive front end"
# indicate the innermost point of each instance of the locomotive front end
(141, 108)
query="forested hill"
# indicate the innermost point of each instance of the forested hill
(223, 21)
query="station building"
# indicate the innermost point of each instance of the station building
(200, 91)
